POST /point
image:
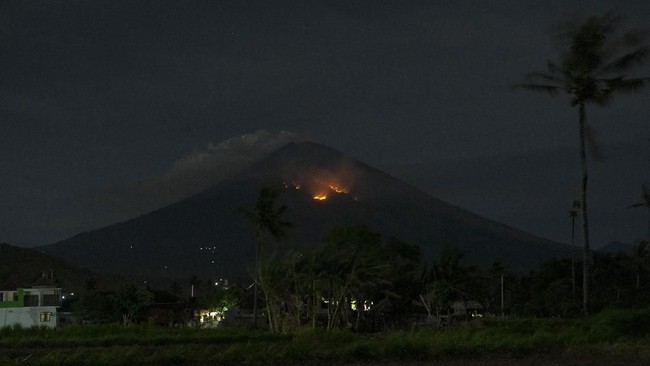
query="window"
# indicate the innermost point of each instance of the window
(51, 300)
(31, 300)
(46, 316)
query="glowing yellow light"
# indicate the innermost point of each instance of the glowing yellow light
(337, 189)
(320, 197)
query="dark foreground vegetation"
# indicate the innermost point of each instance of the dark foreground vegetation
(611, 337)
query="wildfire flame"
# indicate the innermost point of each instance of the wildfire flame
(322, 184)
(321, 196)
(338, 189)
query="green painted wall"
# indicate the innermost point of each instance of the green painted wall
(15, 304)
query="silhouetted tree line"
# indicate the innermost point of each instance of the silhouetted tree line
(174, 305)
(360, 281)
(125, 305)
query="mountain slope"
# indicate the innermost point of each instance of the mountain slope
(207, 234)
(23, 267)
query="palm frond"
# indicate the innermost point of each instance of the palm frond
(627, 60)
(626, 85)
(533, 76)
(634, 37)
(636, 205)
(645, 196)
(265, 217)
(602, 94)
(550, 89)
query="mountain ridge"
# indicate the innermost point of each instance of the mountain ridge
(23, 267)
(207, 234)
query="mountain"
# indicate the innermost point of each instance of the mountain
(617, 246)
(207, 235)
(24, 267)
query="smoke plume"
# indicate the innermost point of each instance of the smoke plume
(193, 173)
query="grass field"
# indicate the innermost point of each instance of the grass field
(610, 338)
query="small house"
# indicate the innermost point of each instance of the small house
(30, 307)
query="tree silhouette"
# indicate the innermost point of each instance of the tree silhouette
(645, 197)
(268, 223)
(643, 247)
(591, 70)
(640, 259)
(129, 302)
(357, 268)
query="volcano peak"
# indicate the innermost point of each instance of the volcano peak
(323, 189)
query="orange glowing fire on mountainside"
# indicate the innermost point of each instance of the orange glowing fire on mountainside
(321, 196)
(321, 190)
(321, 185)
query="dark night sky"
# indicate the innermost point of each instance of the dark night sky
(111, 108)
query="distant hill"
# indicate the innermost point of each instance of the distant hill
(207, 234)
(616, 246)
(24, 267)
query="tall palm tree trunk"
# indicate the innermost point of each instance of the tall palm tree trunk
(586, 257)
(256, 280)
(573, 254)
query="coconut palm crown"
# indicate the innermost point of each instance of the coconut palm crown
(594, 66)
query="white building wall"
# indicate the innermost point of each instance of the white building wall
(29, 317)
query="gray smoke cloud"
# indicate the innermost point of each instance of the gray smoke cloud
(195, 172)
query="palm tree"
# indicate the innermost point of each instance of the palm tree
(645, 197)
(591, 71)
(267, 221)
